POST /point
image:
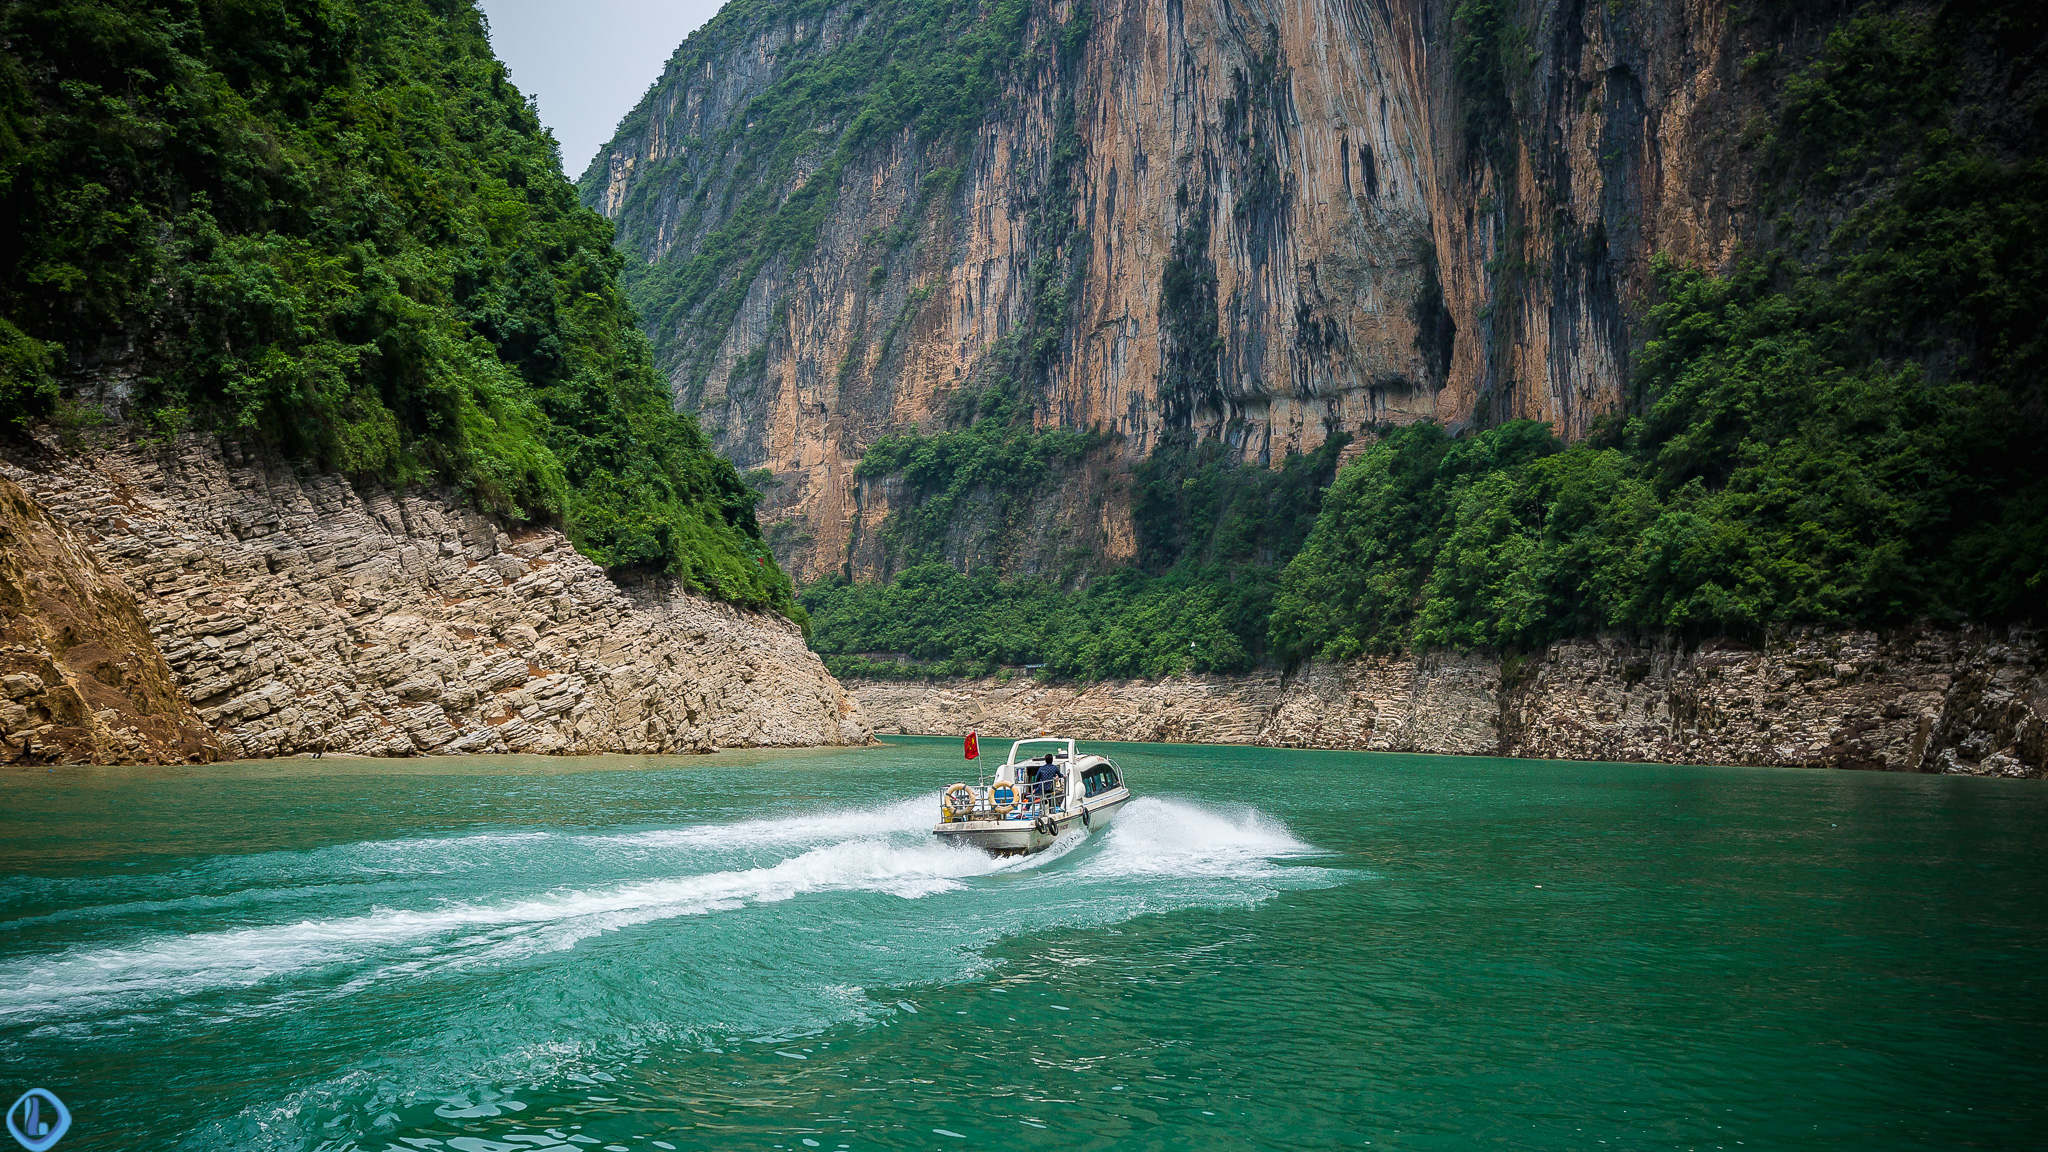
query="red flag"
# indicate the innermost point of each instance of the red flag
(973, 746)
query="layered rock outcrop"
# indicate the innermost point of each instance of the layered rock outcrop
(1260, 221)
(1969, 702)
(300, 613)
(80, 676)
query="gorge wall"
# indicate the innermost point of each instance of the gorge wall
(237, 607)
(1960, 702)
(1264, 221)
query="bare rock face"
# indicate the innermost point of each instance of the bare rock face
(1972, 702)
(1287, 220)
(1439, 703)
(1969, 702)
(298, 613)
(1182, 710)
(80, 677)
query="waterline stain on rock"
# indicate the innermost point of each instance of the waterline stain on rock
(303, 614)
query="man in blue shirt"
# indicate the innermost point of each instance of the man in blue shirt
(1042, 778)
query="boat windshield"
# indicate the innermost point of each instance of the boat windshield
(1024, 751)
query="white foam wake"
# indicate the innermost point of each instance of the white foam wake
(882, 849)
(91, 981)
(486, 850)
(1161, 836)
(913, 815)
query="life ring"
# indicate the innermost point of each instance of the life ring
(1002, 797)
(1046, 826)
(958, 800)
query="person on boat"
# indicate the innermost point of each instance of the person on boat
(1042, 778)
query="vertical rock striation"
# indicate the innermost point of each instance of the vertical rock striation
(299, 613)
(1286, 218)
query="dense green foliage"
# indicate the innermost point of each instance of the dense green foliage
(1123, 624)
(1856, 438)
(1197, 506)
(932, 66)
(993, 455)
(28, 389)
(336, 228)
(1211, 534)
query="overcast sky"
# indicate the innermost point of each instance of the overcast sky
(589, 61)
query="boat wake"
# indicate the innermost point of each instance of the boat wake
(1164, 836)
(427, 916)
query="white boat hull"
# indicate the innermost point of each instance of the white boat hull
(1020, 837)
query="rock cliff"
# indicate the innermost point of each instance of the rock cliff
(299, 613)
(80, 676)
(1971, 702)
(1255, 220)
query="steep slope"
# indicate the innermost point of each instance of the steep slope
(337, 432)
(1773, 275)
(337, 231)
(1261, 223)
(304, 614)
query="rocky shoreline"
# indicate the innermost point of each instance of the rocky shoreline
(185, 602)
(1968, 701)
(300, 613)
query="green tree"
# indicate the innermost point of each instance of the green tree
(335, 228)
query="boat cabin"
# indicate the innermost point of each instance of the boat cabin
(1044, 786)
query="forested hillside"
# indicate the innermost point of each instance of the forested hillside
(338, 231)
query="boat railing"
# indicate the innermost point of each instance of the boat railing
(1031, 800)
(1049, 798)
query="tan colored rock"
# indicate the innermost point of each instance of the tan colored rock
(81, 681)
(1969, 702)
(1190, 710)
(1973, 701)
(300, 613)
(1441, 702)
(1323, 147)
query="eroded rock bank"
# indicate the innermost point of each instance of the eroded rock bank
(1971, 701)
(80, 676)
(300, 613)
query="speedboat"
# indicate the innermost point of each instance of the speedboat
(1045, 788)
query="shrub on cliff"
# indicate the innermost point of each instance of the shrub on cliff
(1210, 531)
(1856, 437)
(338, 229)
(758, 191)
(27, 390)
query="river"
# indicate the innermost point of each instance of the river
(1267, 950)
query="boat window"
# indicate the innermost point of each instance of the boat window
(1100, 778)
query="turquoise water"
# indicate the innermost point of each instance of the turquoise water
(1268, 949)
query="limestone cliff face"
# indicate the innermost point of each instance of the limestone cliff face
(1972, 702)
(80, 676)
(1289, 218)
(300, 613)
